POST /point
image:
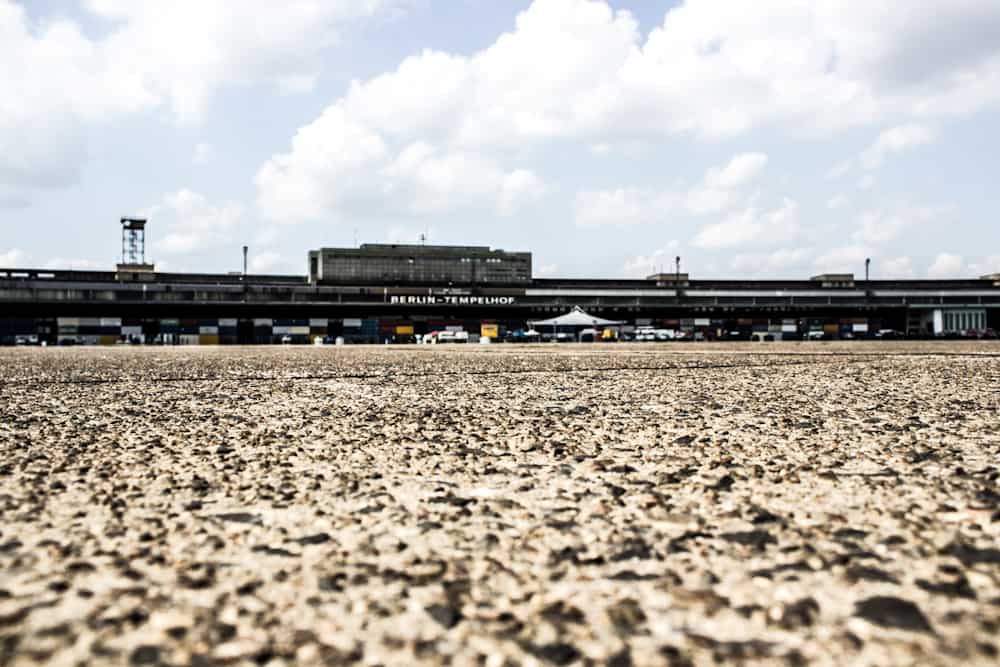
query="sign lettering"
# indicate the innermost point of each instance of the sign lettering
(448, 300)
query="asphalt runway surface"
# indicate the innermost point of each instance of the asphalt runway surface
(602, 504)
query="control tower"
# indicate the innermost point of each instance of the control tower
(133, 265)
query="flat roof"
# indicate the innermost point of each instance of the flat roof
(416, 249)
(421, 246)
(576, 284)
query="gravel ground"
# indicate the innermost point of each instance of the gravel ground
(605, 504)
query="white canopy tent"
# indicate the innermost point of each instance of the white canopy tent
(575, 318)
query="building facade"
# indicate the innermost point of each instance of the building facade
(377, 263)
(93, 307)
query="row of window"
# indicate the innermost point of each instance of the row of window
(964, 320)
(414, 261)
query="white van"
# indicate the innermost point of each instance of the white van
(645, 334)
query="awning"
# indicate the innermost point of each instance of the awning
(575, 318)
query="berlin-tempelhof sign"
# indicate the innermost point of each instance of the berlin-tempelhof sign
(448, 300)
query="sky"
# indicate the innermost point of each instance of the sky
(773, 139)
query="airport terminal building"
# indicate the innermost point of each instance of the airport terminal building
(376, 263)
(382, 292)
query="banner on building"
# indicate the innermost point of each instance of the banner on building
(449, 300)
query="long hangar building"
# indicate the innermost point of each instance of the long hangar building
(379, 292)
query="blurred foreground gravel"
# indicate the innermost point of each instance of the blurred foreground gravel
(501, 505)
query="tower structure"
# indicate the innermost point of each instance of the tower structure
(133, 241)
(133, 262)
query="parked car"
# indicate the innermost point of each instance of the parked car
(435, 337)
(522, 336)
(889, 333)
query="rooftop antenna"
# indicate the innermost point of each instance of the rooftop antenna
(677, 261)
(245, 248)
(868, 261)
(133, 240)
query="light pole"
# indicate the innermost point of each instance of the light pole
(868, 261)
(245, 248)
(677, 269)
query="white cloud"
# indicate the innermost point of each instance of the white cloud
(472, 132)
(576, 70)
(622, 206)
(837, 202)
(986, 266)
(887, 224)
(16, 258)
(877, 228)
(661, 259)
(829, 64)
(844, 259)
(893, 267)
(263, 262)
(193, 224)
(410, 234)
(626, 206)
(339, 166)
(738, 229)
(425, 180)
(202, 153)
(947, 265)
(840, 169)
(749, 227)
(226, 43)
(267, 236)
(741, 170)
(13, 258)
(77, 264)
(895, 140)
(782, 261)
(60, 80)
(519, 187)
(705, 200)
